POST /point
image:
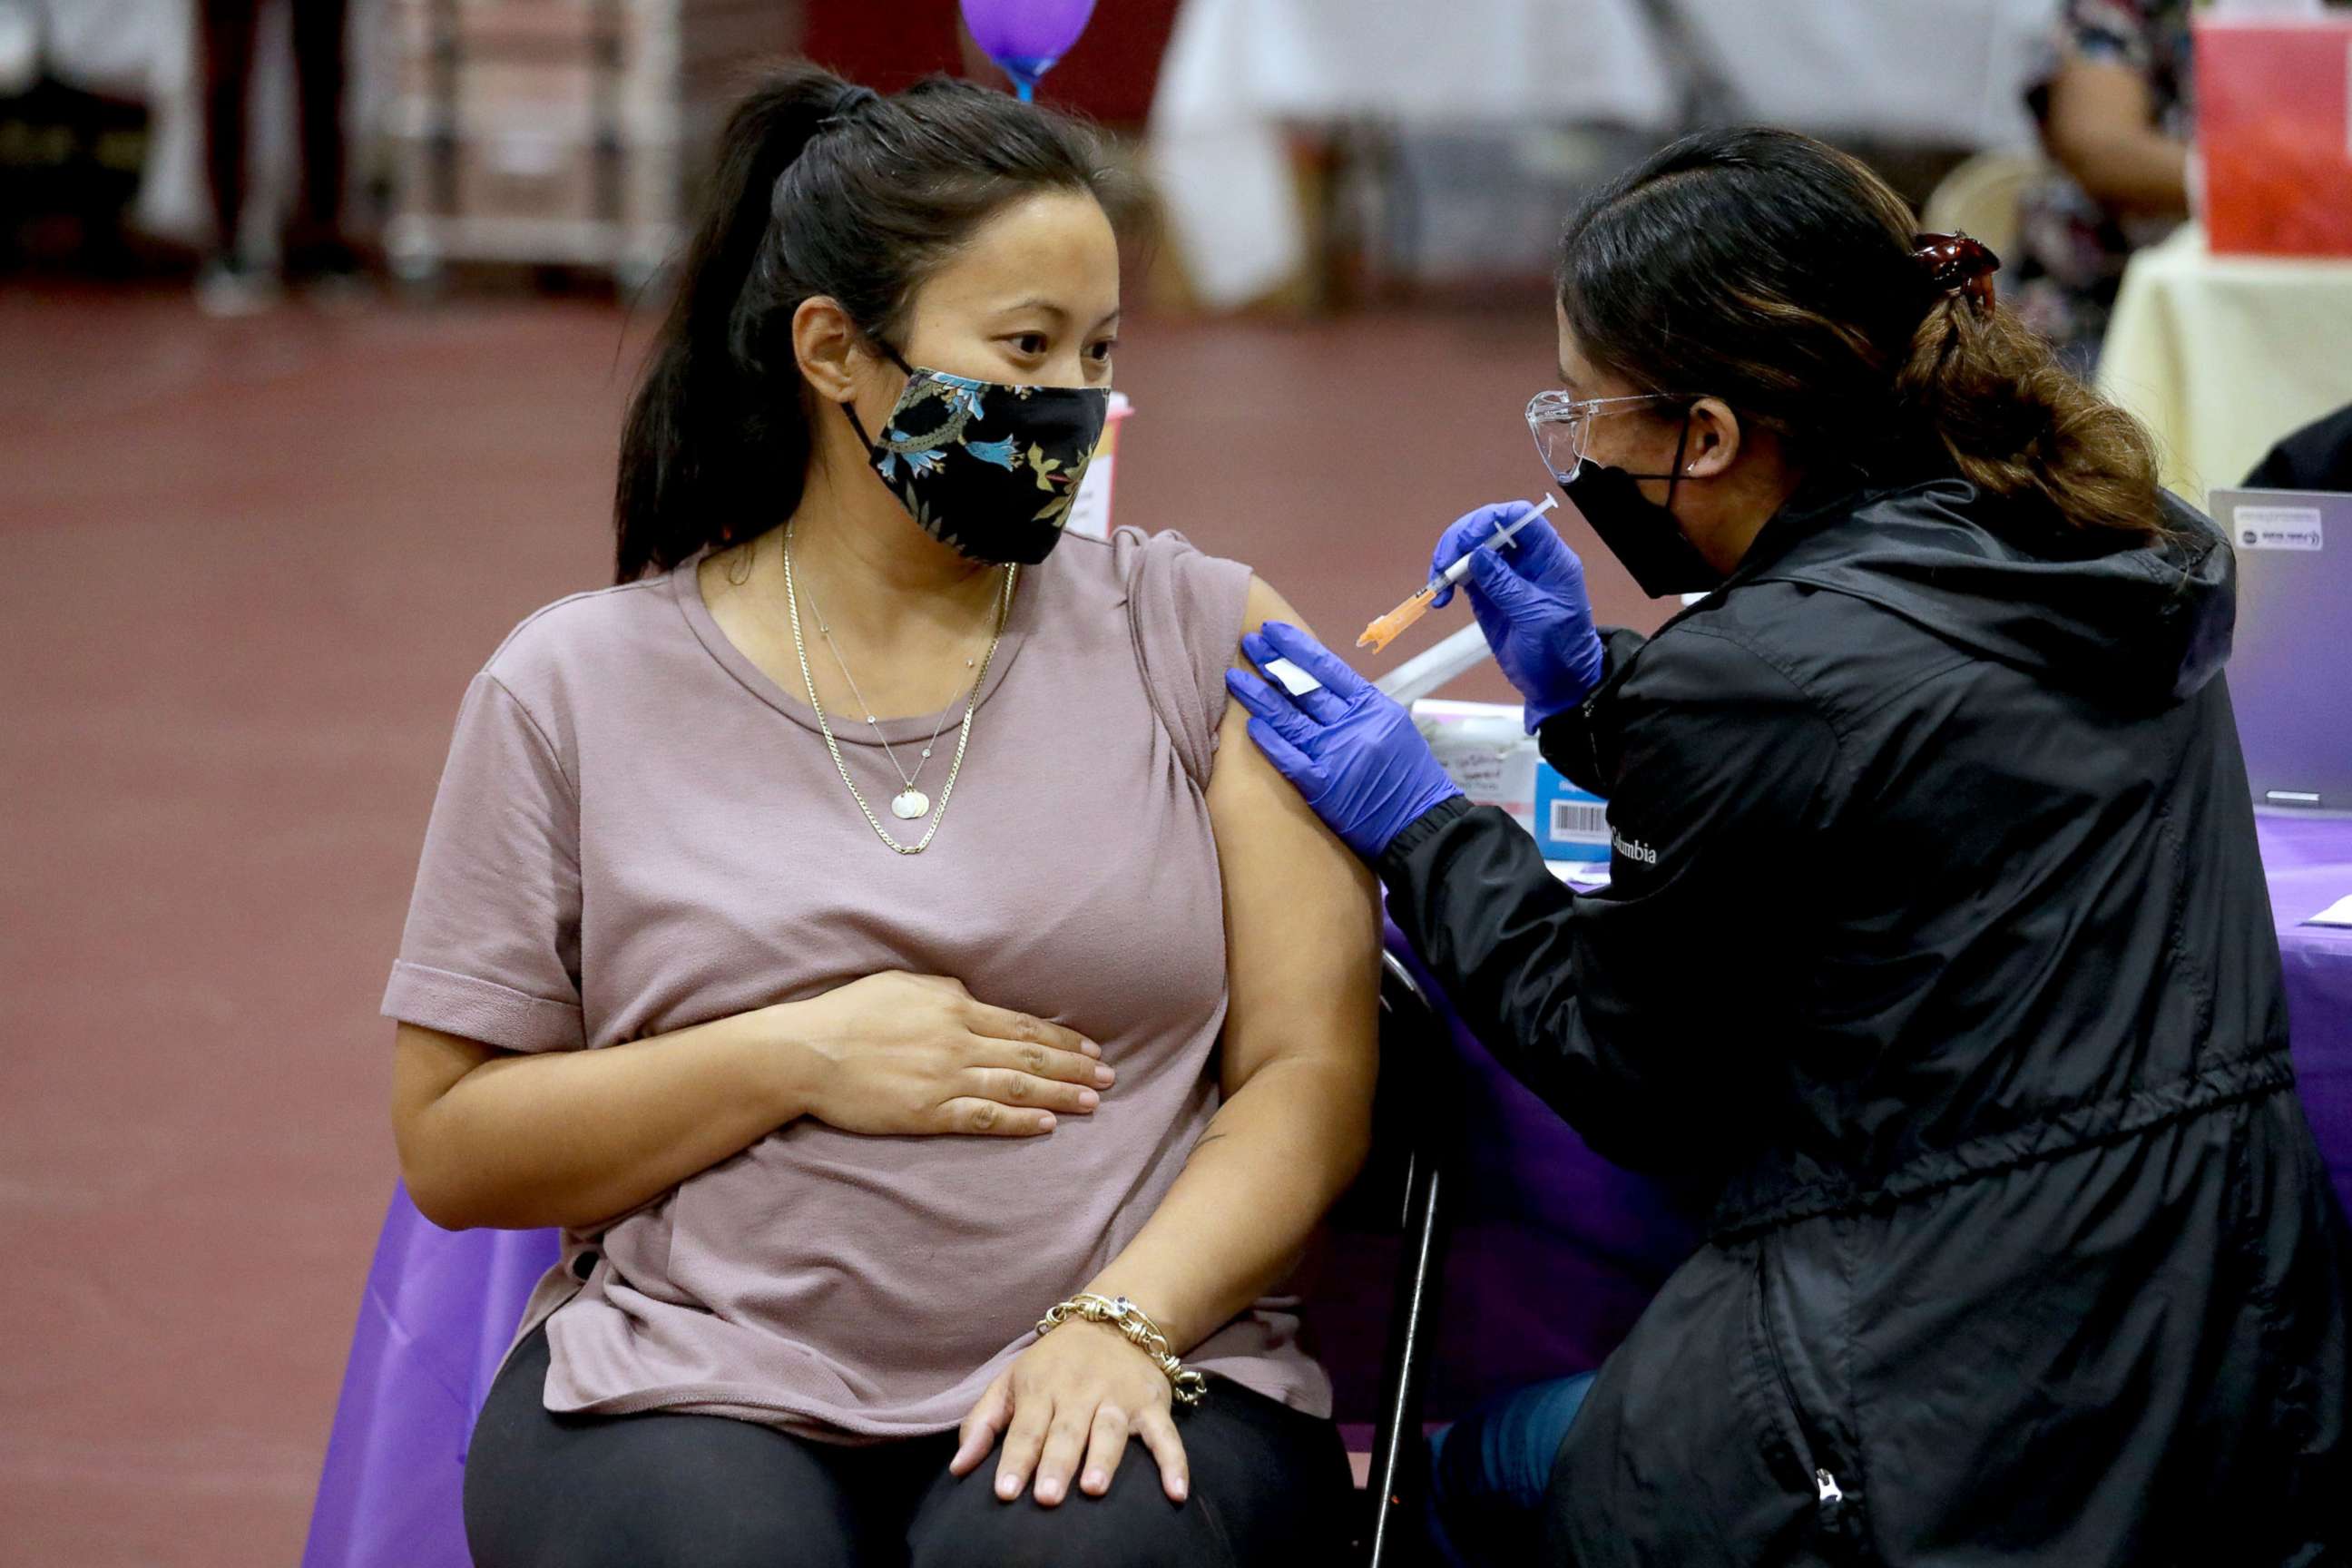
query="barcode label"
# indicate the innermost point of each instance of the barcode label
(1580, 819)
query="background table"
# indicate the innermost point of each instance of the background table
(1555, 1253)
(1238, 71)
(2223, 355)
(1852, 67)
(2309, 860)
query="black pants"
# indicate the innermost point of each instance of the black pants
(543, 1491)
(230, 27)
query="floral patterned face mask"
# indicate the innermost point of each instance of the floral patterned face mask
(987, 469)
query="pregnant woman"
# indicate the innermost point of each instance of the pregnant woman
(865, 932)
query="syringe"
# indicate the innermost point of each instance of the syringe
(1388, 628)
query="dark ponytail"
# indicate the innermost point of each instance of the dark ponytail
(1776, 273)
(822, 187)
(2017, 423)
(692, 427)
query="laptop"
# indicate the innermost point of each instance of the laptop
(2291, 672)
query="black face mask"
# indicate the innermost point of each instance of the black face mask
(1643, 536)
(987, 469)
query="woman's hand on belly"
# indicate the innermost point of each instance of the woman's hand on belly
(1078, 1394)
(918, 1053)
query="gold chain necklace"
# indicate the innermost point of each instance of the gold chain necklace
(963, 732)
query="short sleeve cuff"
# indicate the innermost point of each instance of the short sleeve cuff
(481, 1010)
(1185, 611)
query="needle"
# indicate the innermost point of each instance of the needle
(1386, 629)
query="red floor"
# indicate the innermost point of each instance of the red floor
(250, 568)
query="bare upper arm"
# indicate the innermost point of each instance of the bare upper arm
(2102, 128)
(1302, 916)
(425, 1065)
(2090, 97)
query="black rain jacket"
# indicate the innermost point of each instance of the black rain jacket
(1938, 945)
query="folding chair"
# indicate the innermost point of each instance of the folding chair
(1414, 1124)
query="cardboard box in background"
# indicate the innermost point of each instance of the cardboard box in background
(1570, 824)
(1484, 748)
(1091, 514)
(2275, 131)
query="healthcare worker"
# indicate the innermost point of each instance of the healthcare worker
(1936, 939)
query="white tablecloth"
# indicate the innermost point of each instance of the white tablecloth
(2223, 355)
(1236, 70)
(1927, 70)
(1942, 72)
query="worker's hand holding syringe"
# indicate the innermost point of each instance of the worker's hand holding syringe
(1443, 578)
(1528, 590)
(1529, 598)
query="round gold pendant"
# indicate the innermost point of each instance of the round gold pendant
(910, 803)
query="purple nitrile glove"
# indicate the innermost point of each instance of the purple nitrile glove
(1530, 600)
(1349, 749)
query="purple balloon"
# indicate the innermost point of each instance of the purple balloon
(1026, 36)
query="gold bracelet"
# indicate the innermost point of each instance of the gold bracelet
(1188, 1387)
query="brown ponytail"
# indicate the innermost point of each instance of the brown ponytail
(2016, 423)
(1776, 273)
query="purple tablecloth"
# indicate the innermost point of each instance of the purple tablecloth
(434, 1322)
(2309, 862)
(1555, 1255)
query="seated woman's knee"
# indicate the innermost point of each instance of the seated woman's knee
(1133, 1527)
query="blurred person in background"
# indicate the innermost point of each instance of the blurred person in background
(884, 1140)
(2115, 107)
(313, 249)
(2317, 457)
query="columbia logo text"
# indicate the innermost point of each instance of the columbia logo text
(1633, 850)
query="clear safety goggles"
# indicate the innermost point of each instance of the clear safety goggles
(1563, 425)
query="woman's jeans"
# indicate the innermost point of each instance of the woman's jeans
(1489, 1472)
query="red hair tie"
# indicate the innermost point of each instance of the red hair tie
(1955, 261)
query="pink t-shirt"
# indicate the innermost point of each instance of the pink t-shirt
(639, 831)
